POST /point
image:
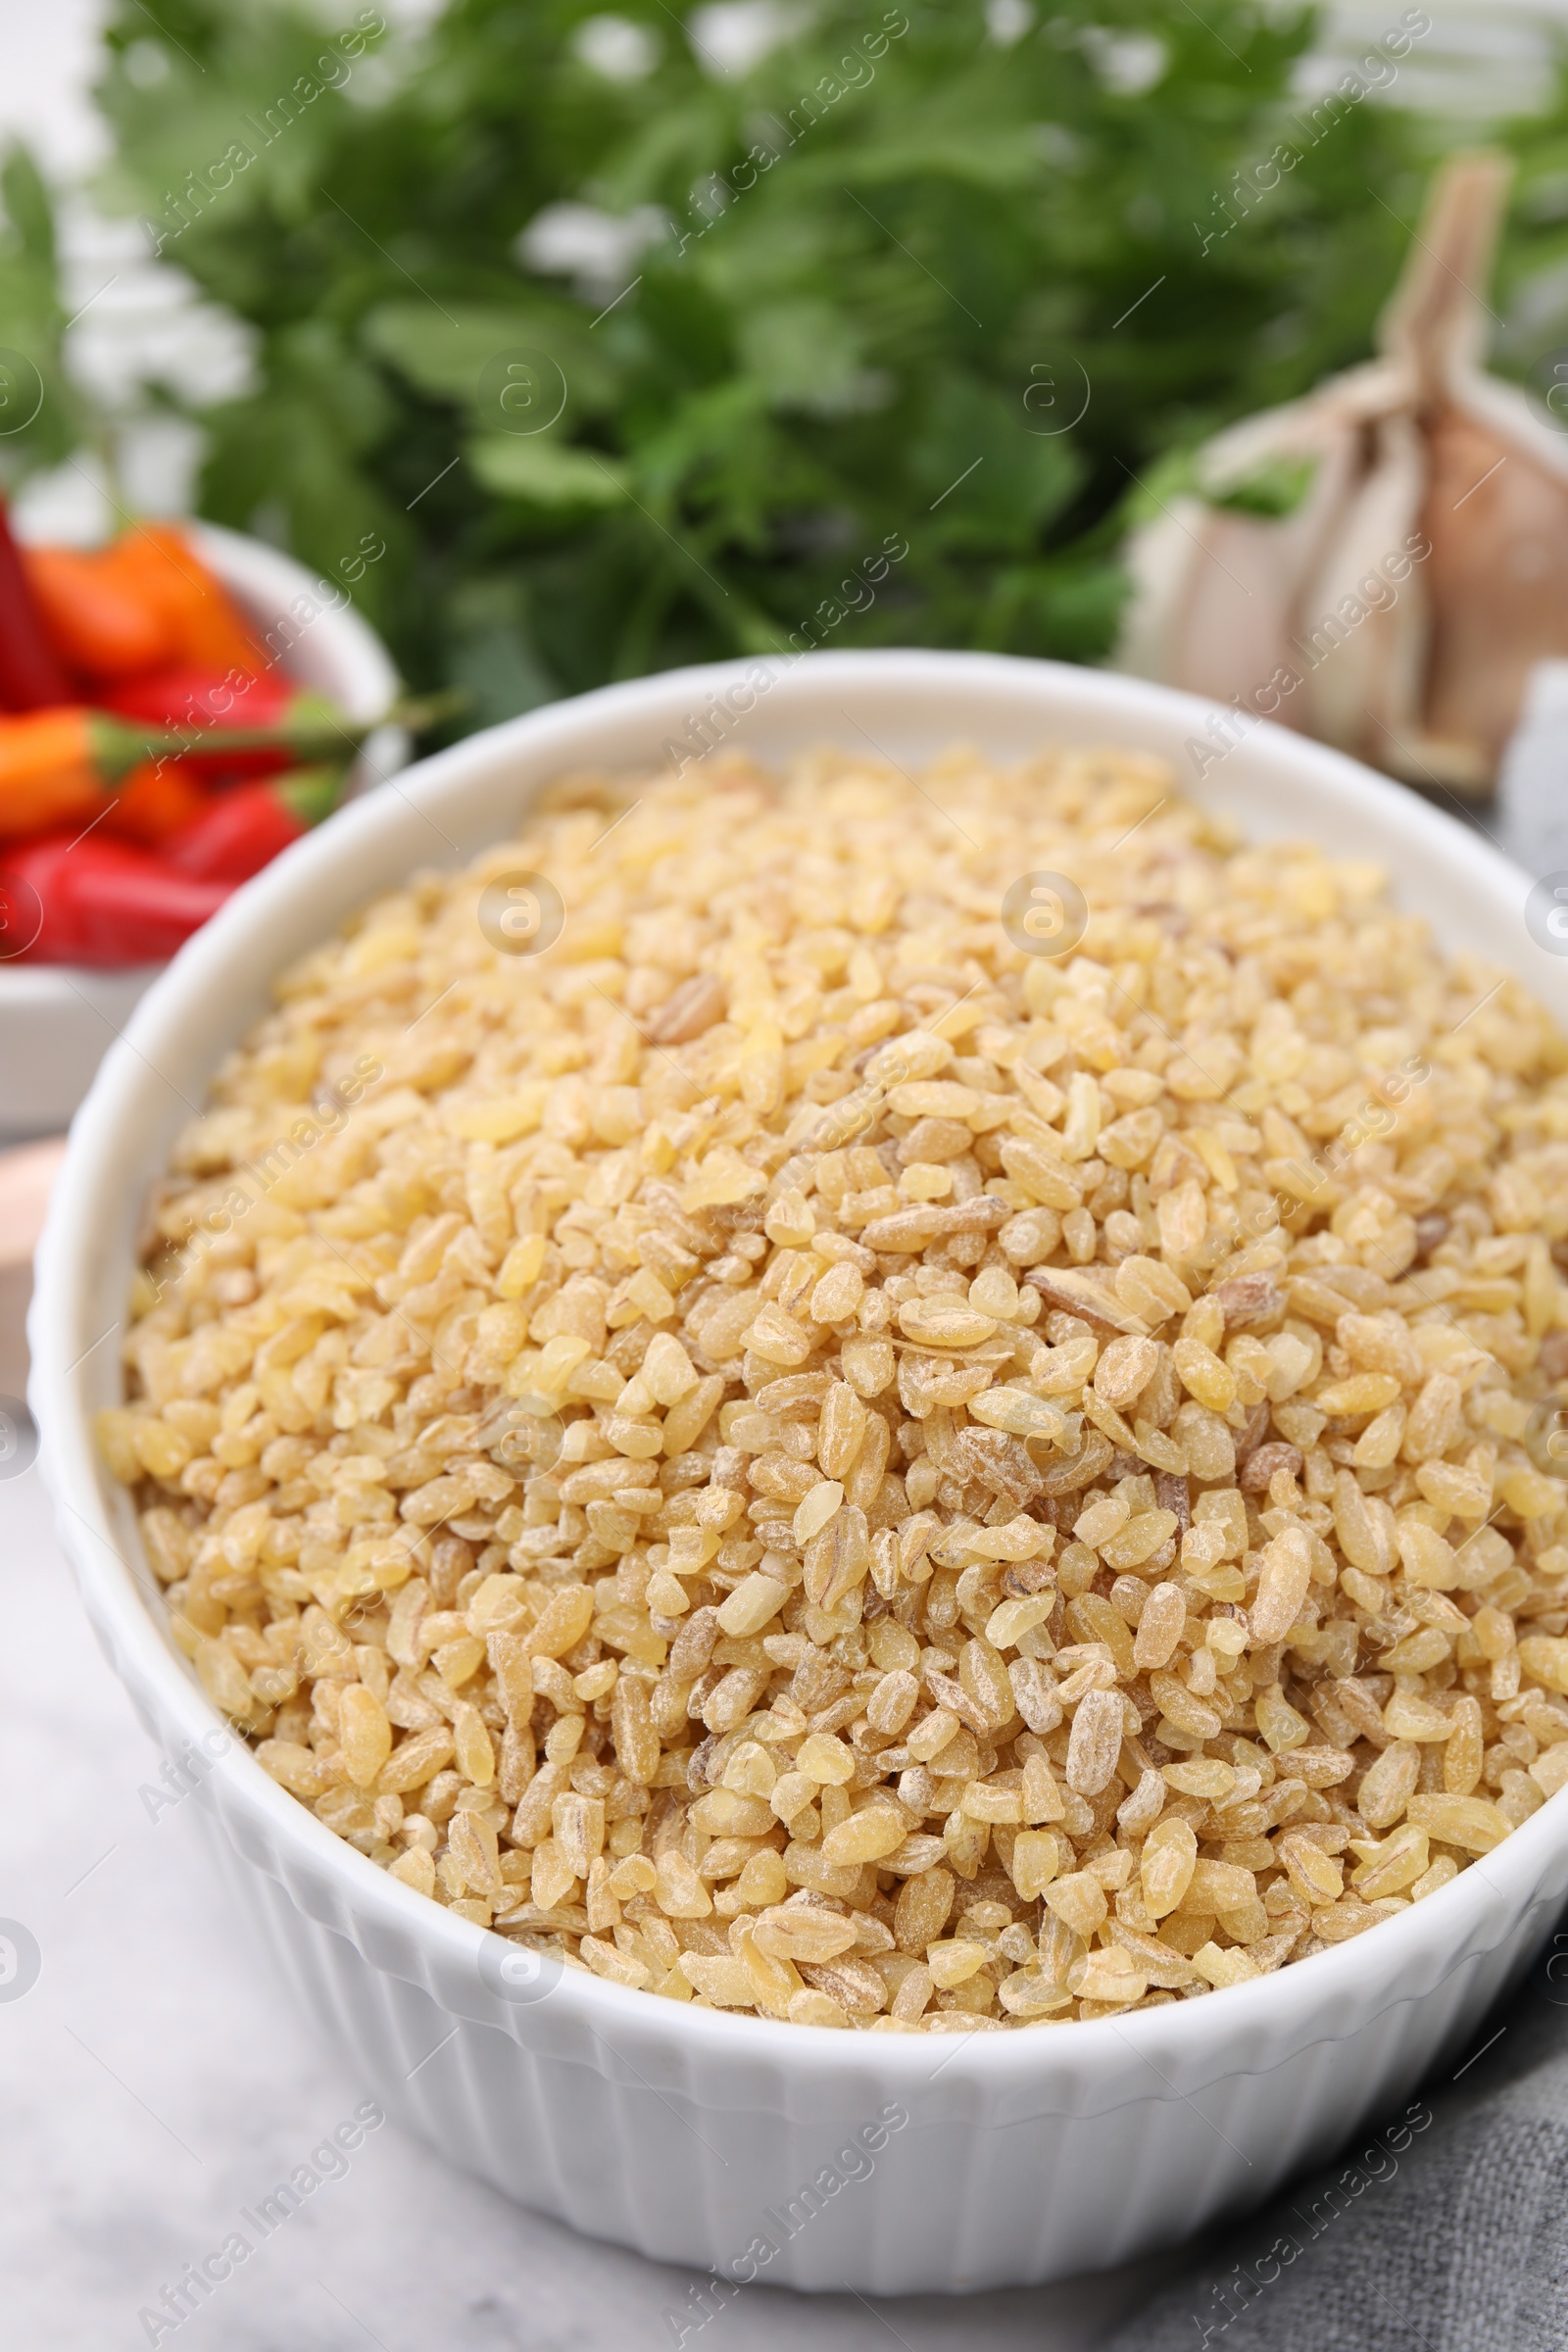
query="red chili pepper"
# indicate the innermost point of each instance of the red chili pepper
(185, 697)
(203, 699)
(30, 673)
(302, 724)
(246, 827)
(97, 902)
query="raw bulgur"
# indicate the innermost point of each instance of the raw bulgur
(814, 1460)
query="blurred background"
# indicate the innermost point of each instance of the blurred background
(632, 333)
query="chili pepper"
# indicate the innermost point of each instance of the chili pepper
(156, 799)
(185, 695)
(57, 766)
(156, 564)
(94, 623)
(103, 902)
(244, 829)
(202, 699)
(31, 676)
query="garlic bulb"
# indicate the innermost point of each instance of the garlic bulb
(1396, 604)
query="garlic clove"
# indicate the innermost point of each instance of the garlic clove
(1215, 592)
(1361, 644)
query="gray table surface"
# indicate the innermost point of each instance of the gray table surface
(157, 2077)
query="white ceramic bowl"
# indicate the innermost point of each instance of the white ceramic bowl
(56, 1020)
(747, 2149)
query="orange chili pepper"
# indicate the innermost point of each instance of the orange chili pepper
(95, 624)
(56, 766)
(49, 770)
(156, 564)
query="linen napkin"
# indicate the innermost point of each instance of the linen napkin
(1442, 2226)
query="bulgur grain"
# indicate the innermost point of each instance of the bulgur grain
(811, 1460)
